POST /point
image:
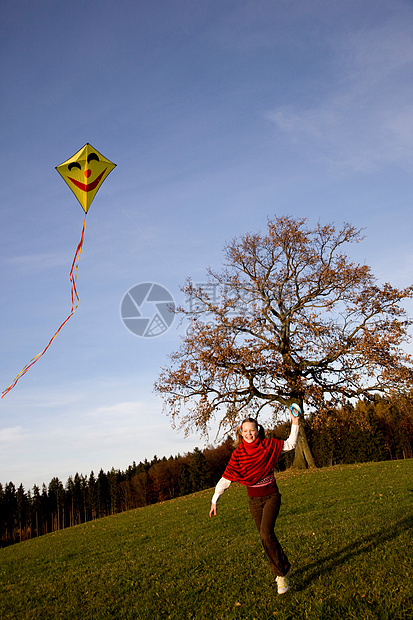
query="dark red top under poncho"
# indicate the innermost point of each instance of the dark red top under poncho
(252, 462)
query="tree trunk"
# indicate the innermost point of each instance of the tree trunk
(303, 457)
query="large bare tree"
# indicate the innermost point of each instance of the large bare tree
(289, 319)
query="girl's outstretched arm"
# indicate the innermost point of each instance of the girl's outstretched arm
(222, 486)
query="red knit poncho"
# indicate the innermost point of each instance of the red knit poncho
(251, 462)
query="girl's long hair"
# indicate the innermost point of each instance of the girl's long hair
(238, 434)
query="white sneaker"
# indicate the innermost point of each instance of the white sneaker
(283, 583)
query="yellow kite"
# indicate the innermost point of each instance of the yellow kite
(84, 173)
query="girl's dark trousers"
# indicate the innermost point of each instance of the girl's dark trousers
(265, 511)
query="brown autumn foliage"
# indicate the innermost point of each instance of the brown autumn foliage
(165, 477)
(295, 321)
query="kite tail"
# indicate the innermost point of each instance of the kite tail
(75, 300)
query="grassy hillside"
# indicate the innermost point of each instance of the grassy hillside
(347, 531)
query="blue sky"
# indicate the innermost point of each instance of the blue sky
(218, 114)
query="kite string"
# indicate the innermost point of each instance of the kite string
(73, 292)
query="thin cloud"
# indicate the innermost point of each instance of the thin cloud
(366, 119)
(12, 435)
(33, 263)
(131, 408)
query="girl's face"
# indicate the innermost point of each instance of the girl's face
(249, 432)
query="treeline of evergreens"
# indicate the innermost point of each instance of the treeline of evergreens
(382, 430)
(38, 511)
(369, 431)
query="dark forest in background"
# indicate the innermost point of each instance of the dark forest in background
(370, 431)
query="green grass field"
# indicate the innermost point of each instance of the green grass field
(347, 531)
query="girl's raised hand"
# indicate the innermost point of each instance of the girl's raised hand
(295, 411)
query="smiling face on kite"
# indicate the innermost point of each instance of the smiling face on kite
(84, 173)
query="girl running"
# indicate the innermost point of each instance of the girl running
(252, 465)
